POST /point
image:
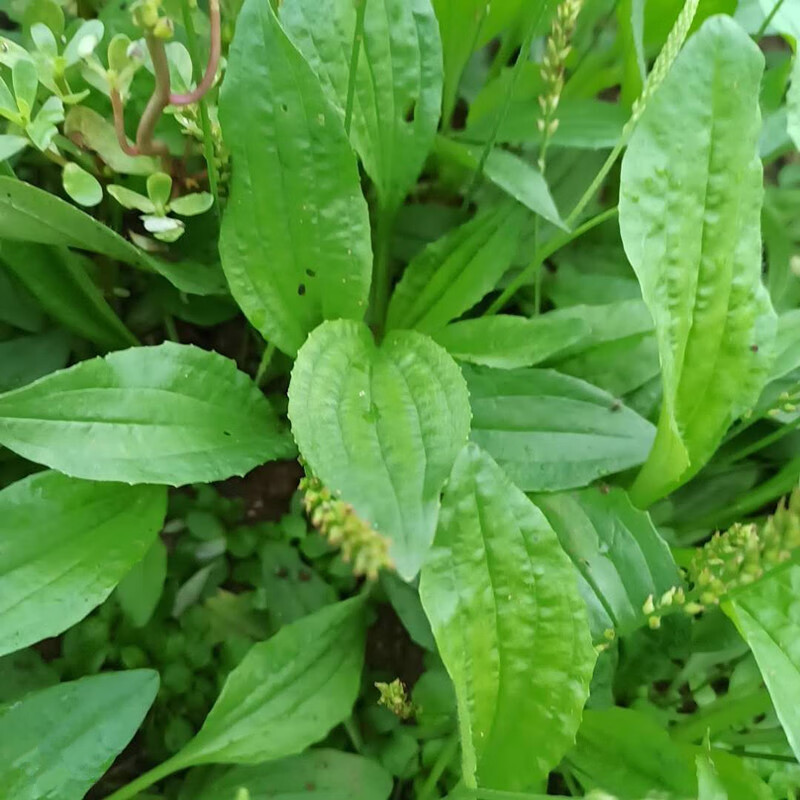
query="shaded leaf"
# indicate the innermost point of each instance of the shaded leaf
(169, 414)
(549, 431)
(511, 627)
(27, 358)
(382, 425)
(286, 137)
(140, 590)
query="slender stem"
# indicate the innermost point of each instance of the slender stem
(742, 753)
(172, 331)
(214, 53)
(381, 277)
(443, 761)
(765, 24)
(205, 122)
(516, 73)
(159, 100)
(763, 442)
(595, 185)
(537, 285)
(266, 359)
(119, 125)
(721, 714)
(543, 252)
(358, 35)
(148, 779)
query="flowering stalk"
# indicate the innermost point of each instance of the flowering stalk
(360, 544)
(394, 697)
(557, 49)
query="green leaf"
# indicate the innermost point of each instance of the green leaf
(507, 342)
(510, 625)
(27, 358)
(130, 199)
(95, 133)
(515, 176)
(617, 552)
(630, 756)
(28, 214)
(722, 776)
(454, 273)
(382, 425)
(287, 693)
(191, 205)
(314, 775)
(11, 145)
(460, 22)
(25, 82)
(702, 284)
(55, 743)
(83, 43)
(159, 189)
(66, 544)
(140, 590)
(793, 104)
(81, 186)
(549, 431)
(17, 306)
(169, 414)
(768, 617)
(398, 82)
(296, 193)
(57, 279)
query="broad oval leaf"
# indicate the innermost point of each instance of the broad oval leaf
(56, 278)
(64, 545)
(287, 693)
(381, 425)
(550, 431)
(455, 272)
(691, 230)
(314, 775)
(30, 214)
(398, 81)
(768, 617)
(55, 743)
(617, 552)
(295, 239)
(170, 414)
(510, 624)
(506, 341)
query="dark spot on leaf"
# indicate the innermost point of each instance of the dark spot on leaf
(301, 289)
(412, 110)
(754, 348)
(304, 576)
(311, 273)
(615, 406)
(226, 433)
(604, 488)
(281, 572)
(310, 786)
(284, 107)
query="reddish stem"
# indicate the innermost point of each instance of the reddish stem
(119, 125)
(213, 61)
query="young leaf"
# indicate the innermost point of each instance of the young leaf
(287, 693)
(398, 80)
(169, 414)
(66, 544)
(510, 625)
(631, 756)
(295, 240)
(382, 425)
(10, 145)
(507, 342)
(313, 775)
(617, 551)
(55, 276)
(768, 617)
(29, 214)
(81, 186)
(454, 273)
(27, 358)
(691, 230)
(58, 741)
(549, 431)
(140, 590)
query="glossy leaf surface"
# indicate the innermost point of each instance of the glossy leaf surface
(295, 240)
(510, 625)
(65, 544)
(549, 431)
(55, 743)
(169, 414)
(382, 425)
(714, 321)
